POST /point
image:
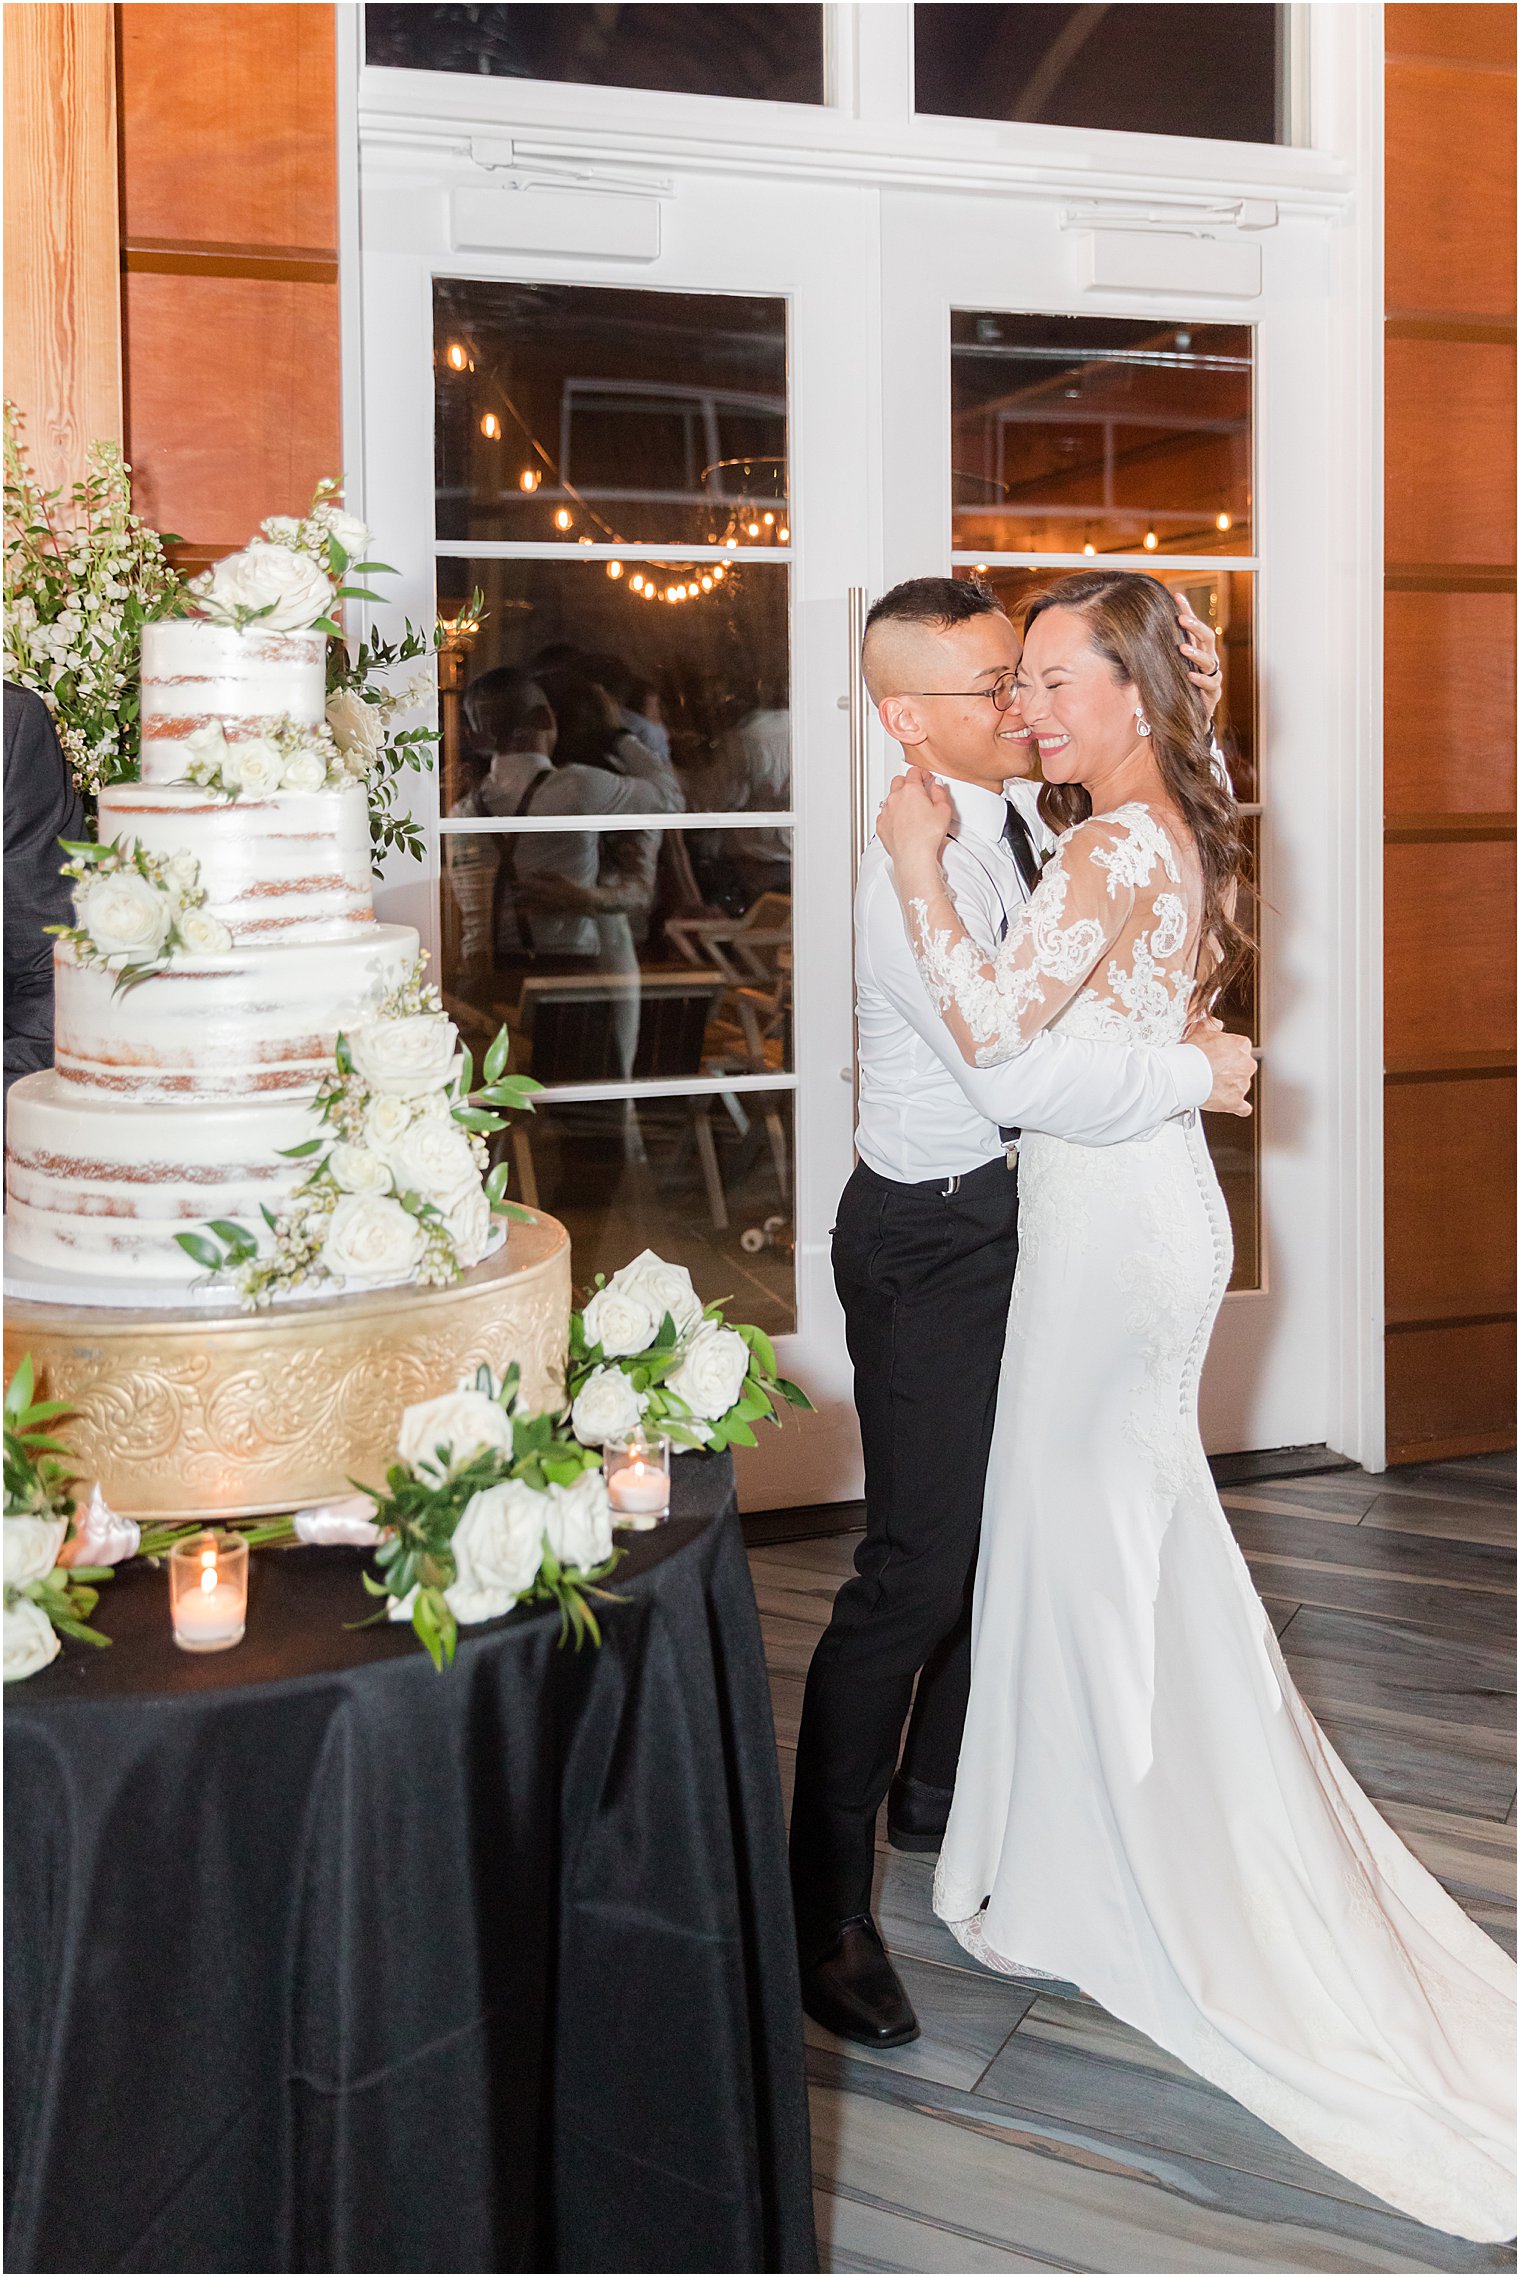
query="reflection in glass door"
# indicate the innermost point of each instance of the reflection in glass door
(612, 484)
(1081, 441)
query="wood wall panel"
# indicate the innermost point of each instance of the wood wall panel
(227, 124)
(1448, 252)
(1449, 1151)
(1473, 33)
(1450, 465)
(62, 310)
(1448, 703)
(229, 195)
(1451, 1391)
(1449, 952)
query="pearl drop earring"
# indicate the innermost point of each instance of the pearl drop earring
(1142, 724)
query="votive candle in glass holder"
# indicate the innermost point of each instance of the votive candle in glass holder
(638, 1479)
(208, 1591)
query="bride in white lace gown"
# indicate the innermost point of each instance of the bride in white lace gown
(1144, 1805)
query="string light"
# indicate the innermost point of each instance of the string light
(768, 520)
(784, 535)
(457, 357)
(731, 541)
(490, 427)
(752, 529)
(981, 569)
(1151, 541)
(1089, 547)
(707, 584)
(563, 518)
(721, 569)
(636, 583)
(529, 479)
(1221, 521)
(614, 569)
(649, 593)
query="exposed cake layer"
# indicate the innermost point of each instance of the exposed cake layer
(293, 866)
(194, 672)
(91, 1190)
(255, 1021)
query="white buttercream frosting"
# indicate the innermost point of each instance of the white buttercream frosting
(194, 672)
(293, 866)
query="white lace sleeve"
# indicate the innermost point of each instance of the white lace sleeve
(994, 1006)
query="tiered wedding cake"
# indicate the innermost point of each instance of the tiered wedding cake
(171, 1100)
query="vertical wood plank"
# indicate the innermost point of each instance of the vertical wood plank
(62, 262)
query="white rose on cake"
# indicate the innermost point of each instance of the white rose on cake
(434, 1159)
(371, 1239)
(207, 745)
(31, 1549)
(305, 770)
(122, 913)
(352, 534)
(438, 1435)
(385, 1119)
(606, 1407)
(358, 1171)
(498, 1548)
(266, 576)
(663, 1288)
(203, 935)
(469, 1224)
(357, 727)
(620, 1321)
(580, 1522)
(403, 1057)
(30, 1639)
(712, 1371)
(183, 872)
(254, 765)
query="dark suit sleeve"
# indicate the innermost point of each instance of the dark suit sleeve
(41, 806)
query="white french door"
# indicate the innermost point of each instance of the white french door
(663, 466)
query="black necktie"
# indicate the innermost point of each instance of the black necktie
(1020, 845)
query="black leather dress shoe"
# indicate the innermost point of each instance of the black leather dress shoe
(916, 1814)
(853, 1989)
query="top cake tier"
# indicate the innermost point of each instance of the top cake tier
(195, 672)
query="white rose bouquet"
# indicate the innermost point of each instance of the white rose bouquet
(400, 1185)
(646, 1351)
(44, 1599)
(134, 910)
(283, 755)
(484, 1509)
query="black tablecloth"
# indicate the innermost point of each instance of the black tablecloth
(317, 1960)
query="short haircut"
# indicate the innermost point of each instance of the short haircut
(935, 601)
(501, 704)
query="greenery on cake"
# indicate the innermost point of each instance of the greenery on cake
(44, 1599)
(399, 1186)
(134, 910)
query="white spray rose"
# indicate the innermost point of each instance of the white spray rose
(434, 1159)
(469, 1224)
(122, 913)
(357, 726)
(266, 576)
(207, 745)
(498, 1548)
(580, 1522)
(253, 765)
(403, 1057)
(183, 872)
(30, 1638)
(712, 1371)
(358, 1171)
(621, 1322)
(386, 1118)
(371, 1239)
(305, 770)
(31, 1549)
(462, 1423)
(282, 530)
(351, 534)
(606, 1407)
(664, 1288)
(203, 935)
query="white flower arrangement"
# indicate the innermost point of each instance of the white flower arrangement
(281, 754)
(134, 911)
(484, 1509)
(400, 1185)
(645, 1350)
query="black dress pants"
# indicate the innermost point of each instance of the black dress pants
(924, 1274)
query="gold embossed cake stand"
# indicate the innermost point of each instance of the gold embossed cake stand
(218, 1412)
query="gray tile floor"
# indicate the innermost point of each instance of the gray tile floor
(1027, 2129)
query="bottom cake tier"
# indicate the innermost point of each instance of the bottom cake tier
(97, 1188)
(234, 1414)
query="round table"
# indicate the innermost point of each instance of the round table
(319, 1960)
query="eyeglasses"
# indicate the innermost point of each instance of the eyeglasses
(1003, 693)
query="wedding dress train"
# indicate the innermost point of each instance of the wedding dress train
(1144, 1805)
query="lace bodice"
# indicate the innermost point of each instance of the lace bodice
(1107, 943)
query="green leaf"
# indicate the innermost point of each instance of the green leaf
(342, 1056)
(18, 1394)
(497, 1056)
(472, 1119)
(497, 1181)
(205, 1253)
(762, 1347)
(466, 1075)
(793, 1394)
(738, 1432)
(235, 1236)
(299, 1153)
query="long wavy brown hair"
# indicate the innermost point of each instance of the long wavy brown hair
(1132, 621)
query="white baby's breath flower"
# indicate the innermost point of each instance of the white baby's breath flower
(370, 1240)
(122, 913)
(606, 1407)
(358, 1171)
(282, 530)
(202, 934)
(712, 1371)
(441, 1435)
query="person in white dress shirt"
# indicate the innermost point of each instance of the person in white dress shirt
(924, 1252)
